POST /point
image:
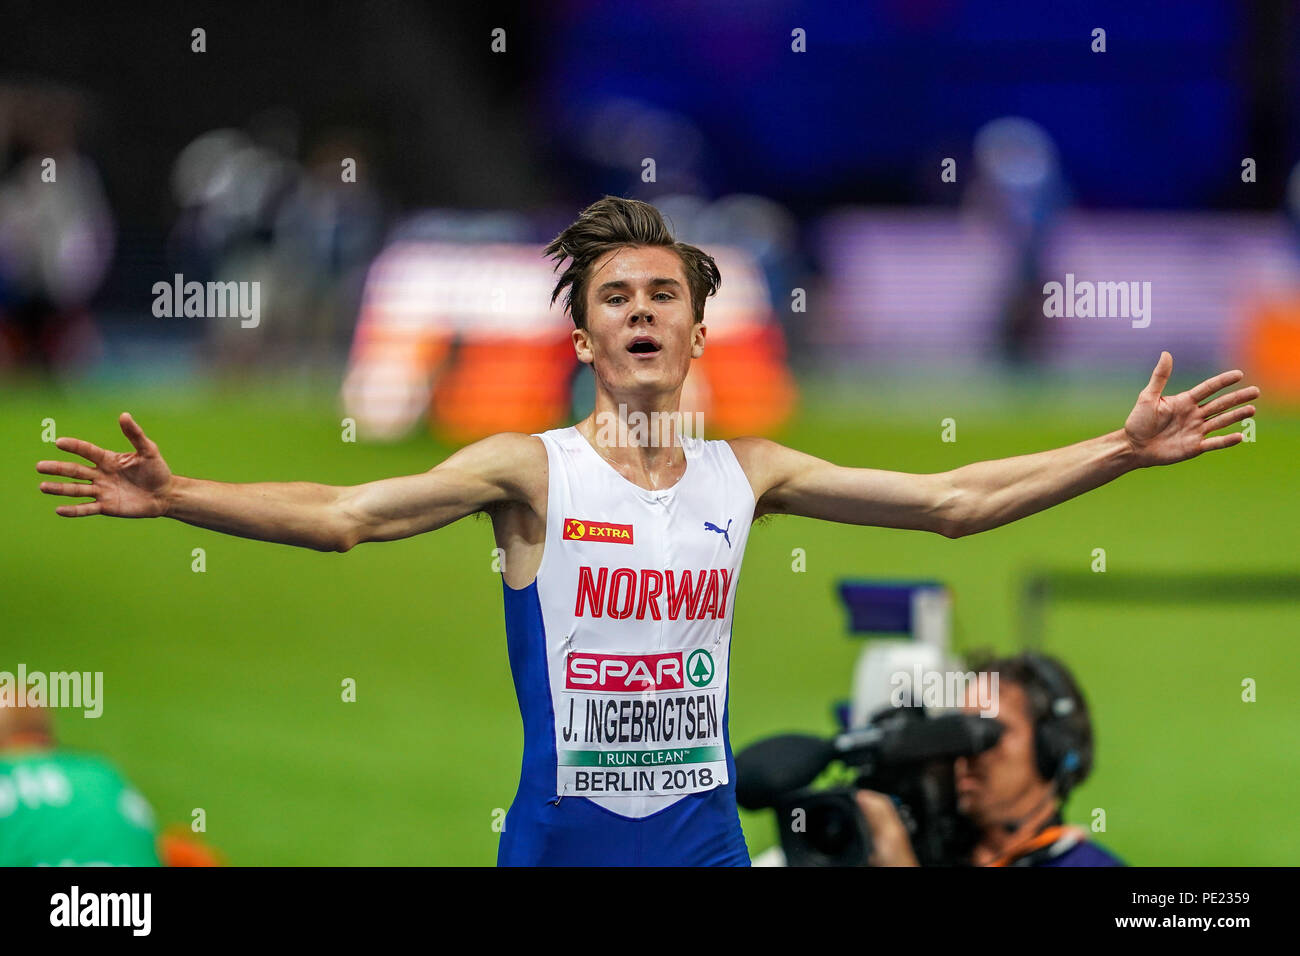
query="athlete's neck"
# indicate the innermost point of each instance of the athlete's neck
(641, 441)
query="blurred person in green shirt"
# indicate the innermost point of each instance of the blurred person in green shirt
(61, 807)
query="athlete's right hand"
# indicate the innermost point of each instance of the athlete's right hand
(123, 485)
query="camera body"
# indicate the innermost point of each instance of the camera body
(825, 827)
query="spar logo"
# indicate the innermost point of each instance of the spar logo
(637, 673)
(699, 667)
(624, 673)
(578, 530)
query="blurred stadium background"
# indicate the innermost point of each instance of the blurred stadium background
(864, 300)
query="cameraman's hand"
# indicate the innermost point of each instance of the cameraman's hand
(891, 846)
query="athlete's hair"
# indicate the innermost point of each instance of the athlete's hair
(613, 223)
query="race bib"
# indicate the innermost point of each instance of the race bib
(641, 724)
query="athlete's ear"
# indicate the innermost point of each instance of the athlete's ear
(582, 346)
(697, 340)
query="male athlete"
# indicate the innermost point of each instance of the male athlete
(623, 554)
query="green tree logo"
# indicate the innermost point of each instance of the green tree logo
(699, 668)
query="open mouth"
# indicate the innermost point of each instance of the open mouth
(643, 345)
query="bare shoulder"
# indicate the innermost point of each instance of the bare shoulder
(515, 448)
(773, 469)
(764, 462)
(752, 452)
(764, 457)
(513, 461)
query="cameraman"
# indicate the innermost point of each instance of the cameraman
(1014, 792)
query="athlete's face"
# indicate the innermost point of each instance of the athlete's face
(996, 786)
(641, 334)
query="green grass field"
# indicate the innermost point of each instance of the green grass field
(223, 688)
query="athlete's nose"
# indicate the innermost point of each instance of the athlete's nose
(643, 309)
(643, 312)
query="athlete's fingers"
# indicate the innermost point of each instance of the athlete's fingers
(135, 434)
(1212, 385)
(78, 511)
(1210, 409)
(1222, 441)
(83, 448)
(1229, 418)
(68, 490)
(66, 469)
(1160, 374)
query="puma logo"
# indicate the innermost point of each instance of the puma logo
(710, 526)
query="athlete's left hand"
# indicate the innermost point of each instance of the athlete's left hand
(1163, 430)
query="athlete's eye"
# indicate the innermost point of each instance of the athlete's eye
(614, 300)
(666, 294)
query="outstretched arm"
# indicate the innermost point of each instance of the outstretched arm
(1159, 431)
(139, 484)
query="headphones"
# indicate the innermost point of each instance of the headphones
(1059, 749)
